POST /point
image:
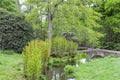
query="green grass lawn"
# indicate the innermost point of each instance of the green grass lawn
(99, 69)
(11, 67)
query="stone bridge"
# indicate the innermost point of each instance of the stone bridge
(100, 52)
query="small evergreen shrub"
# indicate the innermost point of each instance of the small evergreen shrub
(15, 32)
(35, 56)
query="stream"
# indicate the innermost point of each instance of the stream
(57, 73)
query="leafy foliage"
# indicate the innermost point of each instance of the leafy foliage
(60, 46)
(110, 17)
(73, 16)
(57, 62)
(35, 56)
(9, 5)
(81, 55)
(35, 18)
(15, 32)
(71, 36)
(68, 69)
(68, 16)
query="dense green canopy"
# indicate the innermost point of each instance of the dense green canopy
(111, 23)
(9, 5)
(68, 16)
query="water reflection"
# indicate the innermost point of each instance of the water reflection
(71, 79)
(56, 73)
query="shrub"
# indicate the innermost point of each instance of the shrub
(79, 56)
(68, 69)
(72, 47)
(35, 56)
(15, 32)
(112, 46)
(116, 46)
(57, 62)
(9, 5)
(42, 77)
(60, 46)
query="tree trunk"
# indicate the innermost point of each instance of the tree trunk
(49, 24)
